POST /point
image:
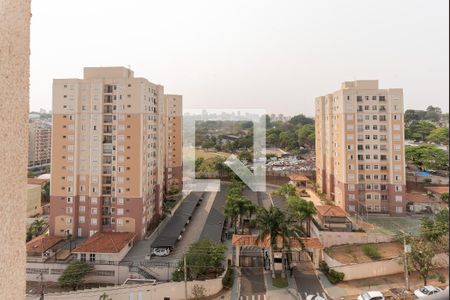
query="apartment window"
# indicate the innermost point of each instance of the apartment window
(351, 187)
(69, 210)
(94, 221)
(93, 211)
(398, 188)
(398, 198)
(349, 117)
(94, 200)
(92, 257)
(351, 208)
(81, 219)
(351, 197)
(119, 221)
(120, 211)
(82, 198)
(82, 208)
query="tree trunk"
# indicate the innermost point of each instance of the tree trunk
(272, 264)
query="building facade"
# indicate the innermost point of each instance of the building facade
(174, 141)
(39, 144)
(360, 153)
(108, 153)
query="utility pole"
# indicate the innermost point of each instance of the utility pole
(185, 278)
(41, 277)
(405, 259)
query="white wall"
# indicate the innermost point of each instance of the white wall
(172, 290)
(334, 238)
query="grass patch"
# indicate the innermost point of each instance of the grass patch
(371, 251)
(280, 282)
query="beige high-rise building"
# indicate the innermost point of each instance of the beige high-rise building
(360, 154)
(39, 143)
(174, 129)
(108, 153)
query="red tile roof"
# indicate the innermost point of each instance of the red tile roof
(437, 189)
(106, 242)
(298, 178)
(330, 211)
(39, 181)
(42, 243)
(419, 198)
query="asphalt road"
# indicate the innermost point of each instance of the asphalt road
(252, 283)
(307, 281)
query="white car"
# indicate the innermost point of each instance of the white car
(161, 252)
(427, 290)
(372, 295)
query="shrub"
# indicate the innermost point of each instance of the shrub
(371, 251)
(227, 280)
(323, 266)
(198, 292)
(335, 276)
(332, 275)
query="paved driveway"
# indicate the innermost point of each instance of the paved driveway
(253, 285)
(306, 279)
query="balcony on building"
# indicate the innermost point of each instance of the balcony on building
(106, 180)
(106, 191)
(106, 201)
(107, 140)
(107, 129)
(107, 109)
(108, 88)
(108, 99)
(107, 160)
(107, 119)
(108, 149)
(107, 170)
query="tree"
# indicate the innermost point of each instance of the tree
(428, 157)
(301, 120)
(306, 135)
(423, 128)
(198, 292)
(45, 192)
(73, 275)
(439, 136)
(302, 210)
(245, 155)
(203, 257)
(31, 174)
(36, 228)
(444, 197)
(273, 223)
(421, 257)
(286, 190)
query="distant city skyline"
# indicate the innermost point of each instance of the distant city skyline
(252, 54)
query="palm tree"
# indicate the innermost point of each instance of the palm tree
(302, 210)
(232, 211)
(286, 190)
(273, 223)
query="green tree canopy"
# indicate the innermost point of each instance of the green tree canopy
(428, 157)
(73, 275)
(439, 136)
(203, 257)
(306, 135)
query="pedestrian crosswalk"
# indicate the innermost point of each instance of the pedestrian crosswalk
(316, 296)
(254, 297)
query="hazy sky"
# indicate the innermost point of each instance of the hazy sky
(276, 55)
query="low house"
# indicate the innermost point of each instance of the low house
(43, 247)
(105, 247)
(420, 203)
(332, 218)
(300, 181)
(33, 199)
(437, 191)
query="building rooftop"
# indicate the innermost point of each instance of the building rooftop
(437, 189)
(39, 181)
(42, 243)
(419, 198)
(298, 178)
(330, 211)
(106, 242)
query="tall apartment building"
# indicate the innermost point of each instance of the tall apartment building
(174, 141)
(39, 143)
(108, 154)
(360, 154)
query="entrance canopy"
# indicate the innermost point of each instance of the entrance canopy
(306, 243)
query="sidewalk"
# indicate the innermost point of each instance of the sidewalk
(353, 288)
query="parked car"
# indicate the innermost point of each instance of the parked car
(161, 252)
(372, 295)
(427, 290)
(314, 297)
